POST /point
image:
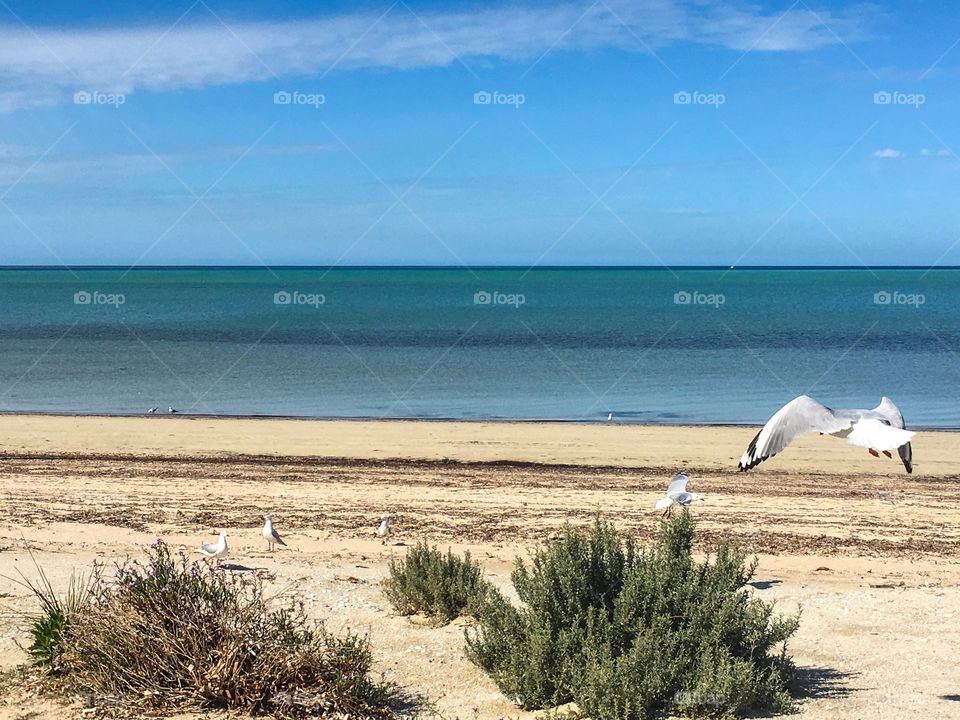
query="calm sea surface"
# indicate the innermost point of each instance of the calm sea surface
(661, 346)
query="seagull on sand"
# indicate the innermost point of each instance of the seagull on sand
(878, 430)
(215, 550)
(677, 494)
(152, 411)
(384, 531)
(610, 417)
(270, 534)
(172, 410)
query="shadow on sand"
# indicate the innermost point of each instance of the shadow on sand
(234, 567)
(764, 584)
(817, 683)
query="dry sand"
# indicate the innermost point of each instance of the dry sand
(870, 553)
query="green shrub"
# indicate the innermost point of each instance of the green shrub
(441, 586)
(48, 627)
(174, 635)
(633, 635)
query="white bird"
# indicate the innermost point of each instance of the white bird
(677, 494)
(270, 534)
(151, 411)
(172, 410)
(384, 531)
(880, 429)
(610, 417)
(215, 550)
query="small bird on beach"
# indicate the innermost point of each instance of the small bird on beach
(172, 410)
(677, 495)
(881, 429)
(215, 550)
(270, 534)
(610, 417)
(384, 531)
(152, 411)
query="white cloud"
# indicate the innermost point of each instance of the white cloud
(887, 153)
(42, 65)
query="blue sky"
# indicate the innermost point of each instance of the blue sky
(642, 133)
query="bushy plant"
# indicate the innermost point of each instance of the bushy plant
(171, 634)
(48, 627)
(631, 635)
(442, 586)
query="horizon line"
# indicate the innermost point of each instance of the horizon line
(466, 268)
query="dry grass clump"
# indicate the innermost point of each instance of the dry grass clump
(172, 635)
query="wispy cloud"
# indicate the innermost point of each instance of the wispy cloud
(942, 152)
(43, 65)
(887, 153)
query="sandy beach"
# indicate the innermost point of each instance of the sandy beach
(872, 555)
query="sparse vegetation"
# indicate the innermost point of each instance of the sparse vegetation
(171, 635)
(442, 586)
(631, 634)
(48, 627)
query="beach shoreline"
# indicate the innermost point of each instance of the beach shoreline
(868, 552)
(715, 447)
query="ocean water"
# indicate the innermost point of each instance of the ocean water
(648, 345)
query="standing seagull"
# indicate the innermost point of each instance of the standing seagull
(152, 411)
(172, 410)
(272, 536)
(677, 494)
(215, 550)
(880, 429)
(384, 531)
(610, 417)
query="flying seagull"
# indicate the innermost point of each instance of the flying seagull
(880, 429)
(677, 494)
(215, 550)
(384, 531)
(272, 536)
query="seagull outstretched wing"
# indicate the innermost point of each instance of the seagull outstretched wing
(800, 415)
(678, 484)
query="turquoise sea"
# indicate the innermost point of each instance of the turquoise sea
(648, 345)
